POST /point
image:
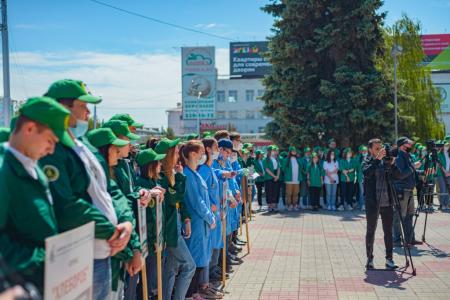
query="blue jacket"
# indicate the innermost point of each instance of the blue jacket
(406, 176)
(213, 185)
(198, 205)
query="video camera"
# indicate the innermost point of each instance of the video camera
(432, 148)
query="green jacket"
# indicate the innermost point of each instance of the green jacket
(260, 170)
(267, 164)
(350, 166)
(26, 219)
(441, 159)
(359, 173)
(68, 185)
(173, 199)
(304, 162)
(151, 214)
(315, 174)
(287, 169)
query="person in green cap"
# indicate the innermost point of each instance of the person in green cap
(191, 136)
(304, 189)
(443, 176)
(26, 207)
(79, 185)
(132, 124)
(315, 173)
(348, 167)
(292, 169)
(124, 175)
(4, 134)
(363, 153)
(260, 170)
(179, 266)
(272, 175)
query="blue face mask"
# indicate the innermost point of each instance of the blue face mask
(80, 129)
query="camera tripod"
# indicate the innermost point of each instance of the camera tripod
(425, 197)
(393, 198)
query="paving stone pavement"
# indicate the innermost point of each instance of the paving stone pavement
(321, 255)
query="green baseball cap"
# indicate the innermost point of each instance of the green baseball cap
(121, 128)
(258, 152)
(191, 136)
(148, 155)
(283, 154)
(127, 118)
(362, 148)
(207, 134)
(270, 148)
(314, 154)
(347, 150)
(105, 136)
(4, 134)
(245, 151)
(317, 149)
(307, 149)
(165, 144)
(292, 149)
(50, 113)
(71, 89)
(247, 145)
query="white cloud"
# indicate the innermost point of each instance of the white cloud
(144, 85)
(209, 25)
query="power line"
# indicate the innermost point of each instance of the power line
(161, 21)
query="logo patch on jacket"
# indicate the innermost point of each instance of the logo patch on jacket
(51, 172)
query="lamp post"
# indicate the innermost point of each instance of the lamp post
(198, 113)
(396, 50)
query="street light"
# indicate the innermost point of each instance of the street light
(396, 50)
(195, 86)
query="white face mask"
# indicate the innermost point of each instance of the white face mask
(446, 148)
(233, 158)
(80, 129)
(349, 156)
(364, 154)
(215, 155)
(202, 160)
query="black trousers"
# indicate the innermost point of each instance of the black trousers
(314, 194)
(272, 191)
(387, 216)
(259, 190)
(347, 193)
(195, 282)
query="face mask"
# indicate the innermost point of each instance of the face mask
(446, 148)
(332, 157)
(233, 158)
(349, 156)
(238, 147)
(215, 155)
(202, 160)
(80, 129)
(408, 150)
(424, 153)
(364, 154)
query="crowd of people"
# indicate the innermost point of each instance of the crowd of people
(56, 175)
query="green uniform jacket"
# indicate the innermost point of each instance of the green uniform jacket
(151, 214)
(68, 185)
(350, 166)
(304, 162)
(287, 169)
(260, 170)
(441, 159)
(359, 174)
(267, 164)
(26, 219)
(315, 174)
(173, 198)
(281, 161)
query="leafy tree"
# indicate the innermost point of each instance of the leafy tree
(324, 77)
(419, 101)
(170, 134)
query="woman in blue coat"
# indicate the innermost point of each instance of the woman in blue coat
(212, 182)
(198, 204)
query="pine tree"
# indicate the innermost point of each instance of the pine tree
(324, 77)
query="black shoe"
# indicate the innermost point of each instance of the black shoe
(370, 264)
(416, 243)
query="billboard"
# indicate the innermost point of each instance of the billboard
(437, 50)
(198, 82)
(247, 60)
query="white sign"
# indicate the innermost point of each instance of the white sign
(198, 82)
(142, 220)
(444, 91)
(69, 263)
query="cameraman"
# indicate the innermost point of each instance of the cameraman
(377, 200)
(404, 186)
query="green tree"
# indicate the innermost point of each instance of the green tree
(324, 77)
(170, 134)
(419, 101)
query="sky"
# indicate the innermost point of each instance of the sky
(134, 62)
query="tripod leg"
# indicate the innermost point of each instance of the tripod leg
(425, 226)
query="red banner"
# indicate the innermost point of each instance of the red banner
(434, 44)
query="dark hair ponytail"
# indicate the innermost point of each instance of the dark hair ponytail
(187, 148)
(208, 143)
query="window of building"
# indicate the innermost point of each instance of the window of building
(232, 96)
(220, 96)
(249, 95)
(260, 93)
(220, 114)
(250, 114)
(232, 114)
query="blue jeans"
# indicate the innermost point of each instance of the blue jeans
(361, 194)
(131, 287)
(331, 193)
(101, 287)
(214, 260)
(443, 193)
(178, 261)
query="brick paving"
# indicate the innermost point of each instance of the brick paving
(321, 255)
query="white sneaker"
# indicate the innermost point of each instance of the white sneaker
(333, 208)
(349, 208)
(329, 207)
(391, 264)
(363, 208)
(341, 208)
